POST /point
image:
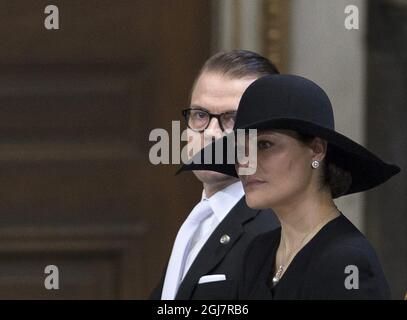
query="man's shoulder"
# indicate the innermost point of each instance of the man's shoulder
(254, 221)
(247, 223)
(263, 221)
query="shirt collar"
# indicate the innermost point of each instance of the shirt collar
(224, 200)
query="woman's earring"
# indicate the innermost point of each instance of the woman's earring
(315, 164)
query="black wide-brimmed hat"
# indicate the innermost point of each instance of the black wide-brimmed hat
(295, 103)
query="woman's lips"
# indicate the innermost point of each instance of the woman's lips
(252, 184)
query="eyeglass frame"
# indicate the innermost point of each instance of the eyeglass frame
(211, 116)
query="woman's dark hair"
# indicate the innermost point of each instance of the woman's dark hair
(238, 64)
(336, 178)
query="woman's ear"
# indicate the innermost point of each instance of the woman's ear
(319, 147)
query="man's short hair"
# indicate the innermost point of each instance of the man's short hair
(239, 64)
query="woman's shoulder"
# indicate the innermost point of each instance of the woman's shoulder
(345, 264)
(343, 240)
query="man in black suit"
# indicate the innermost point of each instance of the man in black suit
(205, 260)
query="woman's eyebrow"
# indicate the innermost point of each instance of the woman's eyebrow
(265, 134)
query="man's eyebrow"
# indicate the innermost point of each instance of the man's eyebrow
(195, 106)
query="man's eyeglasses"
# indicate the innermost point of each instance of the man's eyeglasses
(198, 119)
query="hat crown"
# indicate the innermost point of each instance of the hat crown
(284, 97)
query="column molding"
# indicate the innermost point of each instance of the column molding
(276, 19)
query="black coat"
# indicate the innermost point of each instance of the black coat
(242, 225)
(318, 270)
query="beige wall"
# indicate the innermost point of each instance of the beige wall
(237, 24)
(322, 49)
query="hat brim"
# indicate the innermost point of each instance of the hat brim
(367, 170)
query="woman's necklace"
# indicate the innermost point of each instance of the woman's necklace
(280, 269)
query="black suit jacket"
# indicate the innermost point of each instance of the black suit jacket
(242, 225)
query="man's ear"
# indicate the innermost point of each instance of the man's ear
(319, 147)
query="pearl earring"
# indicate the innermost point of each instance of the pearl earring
(315, 164)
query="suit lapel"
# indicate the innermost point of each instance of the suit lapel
(213, 251)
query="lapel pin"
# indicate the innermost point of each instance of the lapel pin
(224, 239)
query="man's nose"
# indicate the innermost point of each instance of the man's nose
(213, 130)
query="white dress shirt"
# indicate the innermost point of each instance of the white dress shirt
(181, 248)
(221, 203)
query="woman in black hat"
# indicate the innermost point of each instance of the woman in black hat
(302, 164)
